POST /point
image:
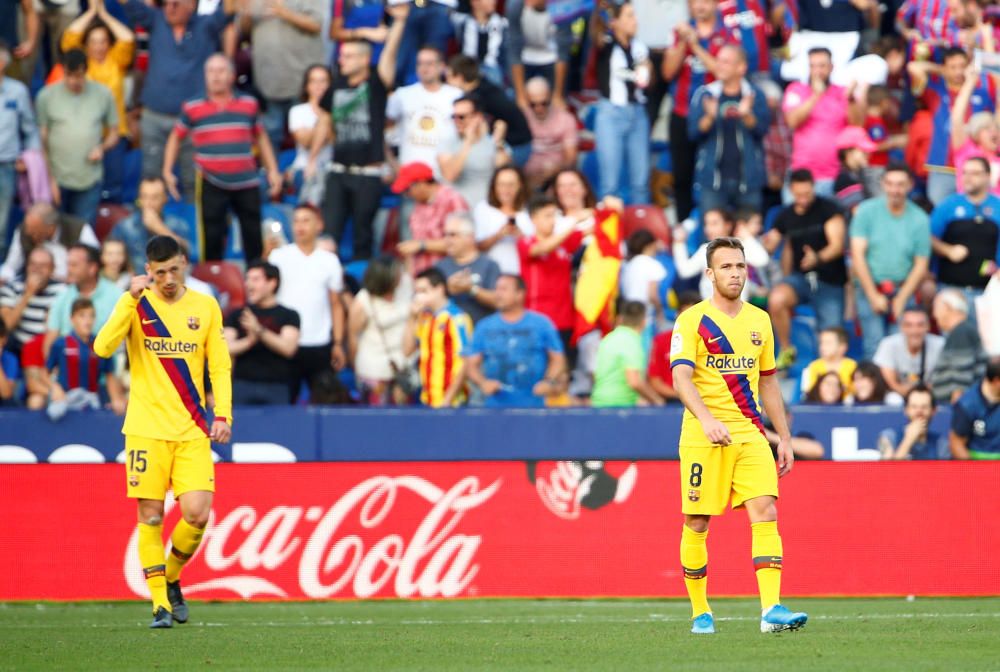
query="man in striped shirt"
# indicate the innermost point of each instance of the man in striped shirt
(440, 330)
(224, 126)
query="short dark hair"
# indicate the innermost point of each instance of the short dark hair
(434, 276)
(93, 254)
(920, 388)
(876, 95)
(801, 175)
(471, 100)
(381, 276)
(161, 248)
(74, 61)
(952, 52)
(839, 332)
(540, 202)
(726, 242)
(993, 369)
(919, 310)
(639, 241)
(270, 271)
(633, 313)
(688, 298)
(746, 214)
(434, 48)
(518, 280)
(899, 167)
(310, 207)
(79, 304)
(465, 67)
(981, 160)
(821, 50)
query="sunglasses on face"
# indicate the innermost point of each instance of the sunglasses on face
(539, 103)
(459, 117)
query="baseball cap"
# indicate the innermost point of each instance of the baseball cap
(855, 136)
(416, 171)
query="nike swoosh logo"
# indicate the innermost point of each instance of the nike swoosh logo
(711, 340)
(154, 320)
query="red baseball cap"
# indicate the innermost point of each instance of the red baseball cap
(417, 171)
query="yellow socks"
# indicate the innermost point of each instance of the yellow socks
(151, 559)
(694, 561)
(766, 550)
(183, 543)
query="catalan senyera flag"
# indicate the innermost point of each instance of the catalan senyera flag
(597, 284)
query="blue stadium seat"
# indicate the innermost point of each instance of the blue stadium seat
(188, 213)
(805, 342)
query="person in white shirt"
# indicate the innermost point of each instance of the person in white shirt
(311, 282)
(423, 111)
(642, 275)
(302, 120)
(502, 218)
(718, 224)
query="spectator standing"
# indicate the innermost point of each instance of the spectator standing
(538, 46)
(659, 374)
(84, 281)
(817, 112)
(24, 304)
(515, 358)
(464, 73)
(148, 220)
(286, 41)
(224, 128)
(109, 46)
(74, 370)
(890, 253)
(428, 24)
(44, 226)
(642, 275)
(553, 132)
(547, 268)
(915, 440)
(355, 116)
(619, 374)
(962, 360)
(833, 343)
(440, 331)
(482, 34)
(434, 202)
(311, 282)
(180, 41)
(18, 132)
(974, 134)
(469, 159)
(303, 119)
(78, 124)
(502, 218)
(358, 20)
(975, 419)
(23, 51)
(263, 339)
(728, 121)
(907, 358)
(375, 326)
(423, 111)
(777, 146)
(812, 261)
(470, 276)
(689, 64)
(653, 15)
(621, 128)
(938, 87)
(965, 230)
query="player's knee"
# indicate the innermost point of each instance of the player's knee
(152, 519)
(697, 523)
(198, 519)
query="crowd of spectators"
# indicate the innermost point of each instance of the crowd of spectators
(443, 168)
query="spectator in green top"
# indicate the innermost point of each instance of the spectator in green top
(619, 375)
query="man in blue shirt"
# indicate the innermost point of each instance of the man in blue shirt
(516, 357)
(915, 440)
(180, 41)
(975, 419)
(965, 232)
(18, 132)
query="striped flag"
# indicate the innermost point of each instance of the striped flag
(597, 284)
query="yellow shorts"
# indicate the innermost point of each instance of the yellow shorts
(153, 466)
(712, 476)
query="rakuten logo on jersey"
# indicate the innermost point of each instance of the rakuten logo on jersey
(262, 554)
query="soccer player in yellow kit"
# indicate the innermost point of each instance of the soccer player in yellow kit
(170, 333)
(722, 358)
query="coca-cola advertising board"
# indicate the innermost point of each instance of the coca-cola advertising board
(466, 529)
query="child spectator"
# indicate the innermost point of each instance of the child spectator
(854, 150)
(828, 390)
(880, 111)
(10, 370)
(833, 342)
(115, 265)
(642, 275)
(750, 226)
(75, 371)
(870, 388)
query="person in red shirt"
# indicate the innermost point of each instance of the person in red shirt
(547, 266)
(658, 372)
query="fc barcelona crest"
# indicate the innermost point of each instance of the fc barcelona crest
(133, 480)
(694, 495)
(194, 323)
(755, 338)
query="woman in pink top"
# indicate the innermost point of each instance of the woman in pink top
(977, 137)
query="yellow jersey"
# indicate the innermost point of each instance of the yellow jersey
(728, 355)
(168, 345)
(442, 336)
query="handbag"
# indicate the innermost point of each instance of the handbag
(405, 379)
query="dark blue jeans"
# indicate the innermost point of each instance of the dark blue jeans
(427, 25)
(81, 203)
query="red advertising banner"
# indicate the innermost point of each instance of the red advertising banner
(358, 530)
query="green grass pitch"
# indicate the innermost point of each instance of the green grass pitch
(630, 635)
